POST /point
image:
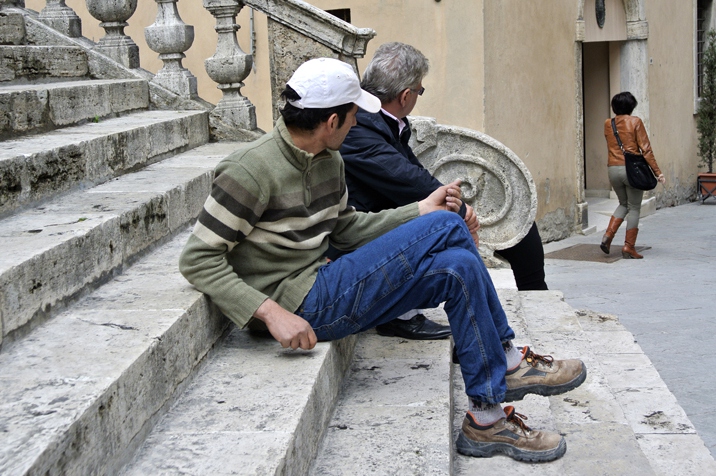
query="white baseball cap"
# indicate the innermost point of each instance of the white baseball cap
(328, 82)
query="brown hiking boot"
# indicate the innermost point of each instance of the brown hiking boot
(542, 375)
(511, 437)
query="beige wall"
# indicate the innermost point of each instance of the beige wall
(671, 94)
(449, 33)
(531, 84)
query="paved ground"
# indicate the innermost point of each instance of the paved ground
(667, 300)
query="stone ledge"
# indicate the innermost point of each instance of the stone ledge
(31, 108)
(53, 252)
(86, 386)
(255, 408)
(37, 168)
(623, 419)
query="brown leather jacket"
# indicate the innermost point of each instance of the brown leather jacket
(634, 138)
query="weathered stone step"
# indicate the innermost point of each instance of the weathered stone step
(254, 408)
(26, 62)
(393, 413)
(622, 420)
(53, 252)
(32, 108)
(80, 393)
(38, 167)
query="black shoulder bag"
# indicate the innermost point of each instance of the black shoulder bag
(638, 172)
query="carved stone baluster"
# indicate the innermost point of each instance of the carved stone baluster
(229, 67)
(113, 16)
(171, 37)
(62, 18)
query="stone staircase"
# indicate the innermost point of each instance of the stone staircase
(98, 187)
(110, 363)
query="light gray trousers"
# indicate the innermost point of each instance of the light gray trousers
(629, 197)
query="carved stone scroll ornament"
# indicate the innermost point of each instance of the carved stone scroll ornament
(495, 182)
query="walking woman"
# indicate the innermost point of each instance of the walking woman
(635, 140)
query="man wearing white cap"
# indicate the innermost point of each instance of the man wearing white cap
(258, 250)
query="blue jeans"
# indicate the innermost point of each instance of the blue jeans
(420, 264)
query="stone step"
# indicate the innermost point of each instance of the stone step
(54, 252)
(33, 108)
(622, 420)
(36, 168)
(254, 408)
(81, 393)
(28, 62)
(393, 413)
(12, 28)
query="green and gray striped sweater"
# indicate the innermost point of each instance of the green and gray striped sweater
(265, 227)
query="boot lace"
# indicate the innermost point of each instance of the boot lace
(517, 419)
(533, 359)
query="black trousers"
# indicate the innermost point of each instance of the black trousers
(527, 261)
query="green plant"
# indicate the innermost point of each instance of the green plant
(706, 119)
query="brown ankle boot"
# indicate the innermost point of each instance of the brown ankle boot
(629, 251)
(614, 224)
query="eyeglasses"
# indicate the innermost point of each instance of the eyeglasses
(419, 91)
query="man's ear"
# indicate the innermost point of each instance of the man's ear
(403, 97)
(332, 122)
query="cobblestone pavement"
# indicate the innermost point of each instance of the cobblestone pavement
(667, 300)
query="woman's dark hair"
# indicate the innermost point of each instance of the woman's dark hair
(624, 103)
(309, 119)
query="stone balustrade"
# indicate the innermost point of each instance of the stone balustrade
(171, 37)
(113, 17)
(230, 65)
(62, 18)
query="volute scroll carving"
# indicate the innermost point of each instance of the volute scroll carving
(495, 182)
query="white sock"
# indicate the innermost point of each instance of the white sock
(513, 354)
(409, 315)
(486, 413)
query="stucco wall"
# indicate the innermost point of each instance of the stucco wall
(671, 98)
(449, 34)
(531, 89)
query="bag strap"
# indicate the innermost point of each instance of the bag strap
(616, 134)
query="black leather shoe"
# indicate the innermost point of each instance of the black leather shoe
(417, 328)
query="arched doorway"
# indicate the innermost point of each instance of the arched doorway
(612, 57)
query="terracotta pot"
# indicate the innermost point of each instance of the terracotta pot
(707, 185)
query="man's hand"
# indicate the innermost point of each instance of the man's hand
(472, 224)
(289, 329)
(443, 198)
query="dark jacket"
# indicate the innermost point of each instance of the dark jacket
(381, 169)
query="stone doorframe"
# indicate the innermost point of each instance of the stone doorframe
(634, 77)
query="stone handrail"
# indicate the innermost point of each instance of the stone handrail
(316, 24)
(495, 182)
(290, 24)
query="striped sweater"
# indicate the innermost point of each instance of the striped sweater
(266, 225)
